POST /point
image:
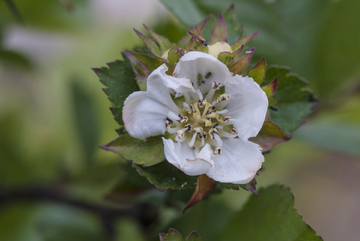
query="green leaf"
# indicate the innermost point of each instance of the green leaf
(166, 176)
(171, 235)
(269, 216)
(145, 153)
(142, 65)
(194, 236)
(120, 81)
(333, 135)
(270, 136)
(292, 103)
(190, 15)
(234, 28)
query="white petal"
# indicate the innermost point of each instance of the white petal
(248, 105)
(156, 88)
(238, 163)
(194, 63)
(143, 116)
(184, 158)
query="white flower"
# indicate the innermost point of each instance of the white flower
(208, 127)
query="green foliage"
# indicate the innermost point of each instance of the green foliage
(120, 80)
(145, 153)
(269, 216)
(86, 121)
(174, 235)
(292, 103)
(166, 176)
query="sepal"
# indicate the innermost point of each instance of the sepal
(258, 71)
(244, 40)
(239, 66)
(220, 30)
(151, 44)
(203, 187)
(270, 136)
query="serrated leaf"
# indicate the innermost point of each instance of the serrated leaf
(145, 153)
(219, 32)
(151, 44)
(258, 71)
(270, 216)
(171, 235)
(239, 66)
(250, 186)
(203, 187)
(270, 136)
(142, 65)
(293, 103)
(166, 176)
(163, 42)
(194, 236)
(244, 40)
(120, 81)
(234, 28)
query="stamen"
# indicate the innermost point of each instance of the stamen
(198, 130)
(213, 115)
(212, 133)
(183, 119)
(223, 97)
(217, 150)
(192, 141)
(173, 117)
(198, 91)
(187, 127)
(225, 119)
(202, 141)
(180, 134)
(215, 85)
(223, 111)
(234, 131)
(168, 124)
(218, 139)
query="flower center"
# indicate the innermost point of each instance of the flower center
(202, 119)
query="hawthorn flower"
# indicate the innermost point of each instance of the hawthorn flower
(206, 116)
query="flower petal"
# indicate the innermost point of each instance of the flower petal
(194, 63)
(184, 158)
(143, 116)
(179, 85)
(157, 89)
(248, 105)
(238, 163)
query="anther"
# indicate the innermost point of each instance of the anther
(183, 119)
(180, 134)
(225, 119)
(215, 85)
(234, 131)
(187, 127)
(223, 97)
(212, 133)
(217, 150)
(168, 124)
(198, 130)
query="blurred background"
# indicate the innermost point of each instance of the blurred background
(54, 180)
